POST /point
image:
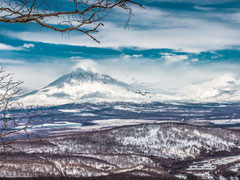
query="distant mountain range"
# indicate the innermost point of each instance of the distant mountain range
(86, 86)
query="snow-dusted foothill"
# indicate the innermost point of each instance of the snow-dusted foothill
(166, 150)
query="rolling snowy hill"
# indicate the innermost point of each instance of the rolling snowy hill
(162, 151)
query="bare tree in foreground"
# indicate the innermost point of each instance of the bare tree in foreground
(14, 119)
(84, 16)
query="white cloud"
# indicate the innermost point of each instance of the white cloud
(160, 75)
(172, 58)
(236, 16)
(149, 13)
(131, 56)
(153, 73)
(38, 75)
(137, 55)
(201, 2)
(28, 45)
(8, 47)
(202, 8)
(74, 58)
(10, 61)
(231, 16)
(153, 28)
(13, 48)
(86, 64)
(195, 60)
(182, 34)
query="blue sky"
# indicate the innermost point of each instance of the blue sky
(169, 42)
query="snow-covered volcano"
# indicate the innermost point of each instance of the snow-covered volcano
(81, 86)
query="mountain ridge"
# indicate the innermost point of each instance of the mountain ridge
(81, 75)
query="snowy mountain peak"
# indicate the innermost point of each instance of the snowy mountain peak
(81, 76)
(82, 86)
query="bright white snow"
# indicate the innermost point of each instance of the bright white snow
(85, 86)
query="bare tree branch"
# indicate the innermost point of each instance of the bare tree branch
(12, 123)
(65, 16)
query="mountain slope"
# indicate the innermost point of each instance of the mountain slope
(80, 86)
(223, 88)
